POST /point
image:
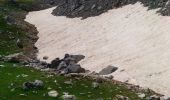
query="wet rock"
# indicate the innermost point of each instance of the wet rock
(53, 93)
(108, 70)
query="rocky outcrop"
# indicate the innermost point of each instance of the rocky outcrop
(108, 70)
(166, 9)
(88, 8)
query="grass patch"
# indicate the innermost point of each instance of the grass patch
(11, 81)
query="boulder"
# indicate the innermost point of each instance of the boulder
(74, 68)
(62, 65)
(37, 84)
(108, 70)
(77, 57)
(72, 59)
(55, 63)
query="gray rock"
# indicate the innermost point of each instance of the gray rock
(141, 95)
(108, 70)
(62, 65)
(19, 43)
(2, 66)
(53, 93)
(74, 68)
(166, 9)
(72, 59)
(68, 82)
(38, 83)
(153, 97)
(69, 97)
(45, 57)
(109, 77)
(55, 63)
(120, 97)
(17, 57)
(95, 85)
(30, 85)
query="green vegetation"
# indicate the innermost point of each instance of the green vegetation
(11, 80)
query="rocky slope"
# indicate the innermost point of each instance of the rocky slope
(88, 8)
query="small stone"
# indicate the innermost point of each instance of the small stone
(95, 85)
(28, 85)
(38, 83)
(69, 82)
(141, 95)
(69, 97)
(45, 57)
(153, 97)
(120, 97)
(53, 93)
(2, 66)
(109, 77)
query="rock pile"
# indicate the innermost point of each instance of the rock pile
(69, 64)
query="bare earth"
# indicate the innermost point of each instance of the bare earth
(131, 38)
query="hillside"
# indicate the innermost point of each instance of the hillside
(127, 34)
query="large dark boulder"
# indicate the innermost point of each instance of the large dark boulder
(108, 70)
(55, 63)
